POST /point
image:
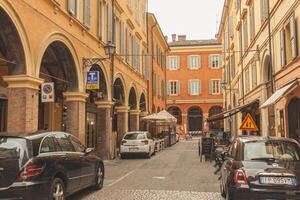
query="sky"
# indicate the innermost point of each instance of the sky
(195, 18)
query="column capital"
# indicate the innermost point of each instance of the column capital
(23, 81)
(75, 96)
(135, 112)
(184, 114)
(143, 114)
(122, 109)
(104, 104)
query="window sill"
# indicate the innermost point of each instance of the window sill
(194, 69)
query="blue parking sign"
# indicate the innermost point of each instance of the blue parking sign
(92, 80)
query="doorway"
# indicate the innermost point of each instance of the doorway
(294, 119)
(195, 117)
(91, 130)
(3, 114)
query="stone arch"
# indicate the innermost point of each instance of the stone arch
(59, 37)
(293, 109)
(214, 110)
(57, 65)
(265, 68)
(15, 42)
(195, 118)
(132, 98)
(176, 112)
(143, 102)
(119, 91)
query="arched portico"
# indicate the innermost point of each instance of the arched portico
(120, 119)
(268, 114)
(215, 125)
(18, 88)
(66, 110)
(134, 113)
(195, 119)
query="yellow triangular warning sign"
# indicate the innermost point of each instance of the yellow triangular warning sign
(248, 124)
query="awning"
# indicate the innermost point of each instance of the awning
(231, 112)
(162, 116)
(280, 93)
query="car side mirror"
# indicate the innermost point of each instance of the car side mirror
(88, 150)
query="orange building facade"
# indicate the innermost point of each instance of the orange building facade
(157, 50)
(194, 83)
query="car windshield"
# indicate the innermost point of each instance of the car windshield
(272, 150)
(135, 136)
(14, 148)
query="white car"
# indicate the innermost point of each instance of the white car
(137, 143)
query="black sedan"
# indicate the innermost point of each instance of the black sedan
(261, 168)
(48, 165)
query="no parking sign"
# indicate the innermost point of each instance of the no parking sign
(47, 92)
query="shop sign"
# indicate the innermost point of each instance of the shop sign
(47, 92)
(248, 124)
(92, 80)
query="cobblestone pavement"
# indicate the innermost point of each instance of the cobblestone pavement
(175, 173)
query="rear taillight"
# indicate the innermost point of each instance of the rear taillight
(123, 142)
(145, 142)
(31, 170)
(240, 177)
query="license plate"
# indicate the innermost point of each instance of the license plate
(133, 149)
(278, 180)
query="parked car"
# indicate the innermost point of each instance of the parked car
(46, 166)
(137, 143)
(261, 168)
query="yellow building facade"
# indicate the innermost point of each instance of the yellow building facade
(261, 65)
(158, 49)
(59, 41)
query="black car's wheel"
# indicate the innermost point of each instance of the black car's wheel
(122, 156)
(57, 191)
(99, 177)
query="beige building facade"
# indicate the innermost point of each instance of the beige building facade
(261, 65)
(59, 41)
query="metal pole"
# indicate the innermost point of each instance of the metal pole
(270, 47)
(241, 55)
(112, 60)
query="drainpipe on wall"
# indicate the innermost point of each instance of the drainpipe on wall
(152, 62)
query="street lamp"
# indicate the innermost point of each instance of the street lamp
(110, 49)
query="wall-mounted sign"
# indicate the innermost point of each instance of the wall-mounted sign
(92, 80)
(48, 92)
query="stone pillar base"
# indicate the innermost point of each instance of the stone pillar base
(134, 120)
(105, 142)
(22, 103)
(122, 128)
(76, 114)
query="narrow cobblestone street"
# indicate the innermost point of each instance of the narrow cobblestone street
(174, 173)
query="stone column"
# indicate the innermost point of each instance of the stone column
(22, 103)
(185, 123)
(122, 117)
(76, 114)
(143, 124)
(105, 139)
(135, 120)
